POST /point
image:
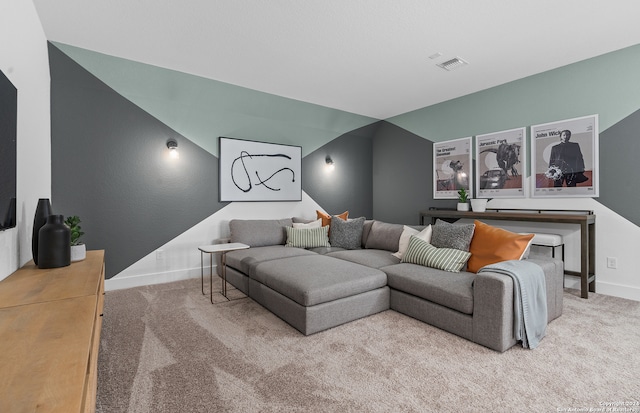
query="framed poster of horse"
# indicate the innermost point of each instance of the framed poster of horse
(501, 164)
(452, 168)
(259, 171)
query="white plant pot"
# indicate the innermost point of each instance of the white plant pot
(463, 206)
(78, 252)
(479, 205)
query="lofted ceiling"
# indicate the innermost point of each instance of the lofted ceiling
(369, 57)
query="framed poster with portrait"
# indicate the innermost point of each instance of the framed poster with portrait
(259, 171)
(501, 164)
(452, 168)
(564, 158)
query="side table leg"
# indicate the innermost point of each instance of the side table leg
(223, 262)
(211, 278)
(201, 273)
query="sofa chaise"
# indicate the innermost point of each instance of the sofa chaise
(323, 286)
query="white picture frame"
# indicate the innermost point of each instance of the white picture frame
(569, 169)
(259, 171)
(452, 162)
(501, 164)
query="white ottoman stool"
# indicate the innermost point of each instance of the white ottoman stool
(549, 240)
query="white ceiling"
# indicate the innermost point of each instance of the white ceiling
(369, 57)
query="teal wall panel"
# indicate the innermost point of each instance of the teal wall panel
(607, 85)
(204, 109)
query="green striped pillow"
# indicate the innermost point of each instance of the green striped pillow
(308, 237)
(422, 253)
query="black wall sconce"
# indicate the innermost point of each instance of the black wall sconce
(329, 162)
(172, 144)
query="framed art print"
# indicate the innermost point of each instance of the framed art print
(259, 171)
(501, 164)
(452, 168)
(564, 158)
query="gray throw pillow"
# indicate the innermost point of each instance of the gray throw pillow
(346, 234)
(457, 236)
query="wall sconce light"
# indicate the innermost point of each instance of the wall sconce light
(329, 162)
(173, 148)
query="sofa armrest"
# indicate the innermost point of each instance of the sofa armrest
(493, 311)
(554, 281)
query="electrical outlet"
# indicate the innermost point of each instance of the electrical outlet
(159, 255)
(612, 262)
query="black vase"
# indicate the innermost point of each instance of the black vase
(43, 210)
(54, 243)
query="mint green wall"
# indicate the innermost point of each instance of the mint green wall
(607, 85)
(203, 109)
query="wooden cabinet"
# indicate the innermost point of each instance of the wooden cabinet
(50, 322)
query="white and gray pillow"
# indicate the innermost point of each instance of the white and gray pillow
(307, 237)
(456, 236)
(346, 234)
(312, 224)
(422, 253)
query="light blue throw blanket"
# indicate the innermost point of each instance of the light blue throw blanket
(529, 299)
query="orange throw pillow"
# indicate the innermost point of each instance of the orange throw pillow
(326, 218)
(491, 244)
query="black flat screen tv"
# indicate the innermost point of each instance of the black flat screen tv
(8, 162)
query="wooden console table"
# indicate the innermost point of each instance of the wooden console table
(50, 322)
(585, 219)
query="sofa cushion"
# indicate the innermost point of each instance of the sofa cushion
(307, 237)
(259, 232)
(366, 230)
(490, 245)
(384, 236)
(423, 253)
(317, 279)
(346, 234)
(453, 291)
(370, 258)
(457, 236)
(244, 260)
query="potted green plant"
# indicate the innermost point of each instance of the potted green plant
(78, 249)
(463, 200)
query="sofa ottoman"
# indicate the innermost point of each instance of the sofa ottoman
(316, 292)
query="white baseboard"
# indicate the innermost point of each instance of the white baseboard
(616, 290)
(119, 283)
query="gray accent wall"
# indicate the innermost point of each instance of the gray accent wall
(619, 151)
(349, 186)
(110, 167)
(402, 176)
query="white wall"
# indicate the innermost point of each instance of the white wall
(180, 258)
(24, 60)
(615, 237)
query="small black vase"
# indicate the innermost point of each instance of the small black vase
(54, 244)
(43, 210)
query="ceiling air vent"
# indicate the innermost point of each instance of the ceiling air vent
(454, 63)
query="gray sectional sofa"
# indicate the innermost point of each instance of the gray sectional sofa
(319, 288)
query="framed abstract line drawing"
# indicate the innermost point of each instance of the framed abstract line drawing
(452, 168)
(564, 158)
(501, 164)
(259, 171)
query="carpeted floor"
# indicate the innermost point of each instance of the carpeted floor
(166, 348)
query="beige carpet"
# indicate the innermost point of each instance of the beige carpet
(166, 348)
